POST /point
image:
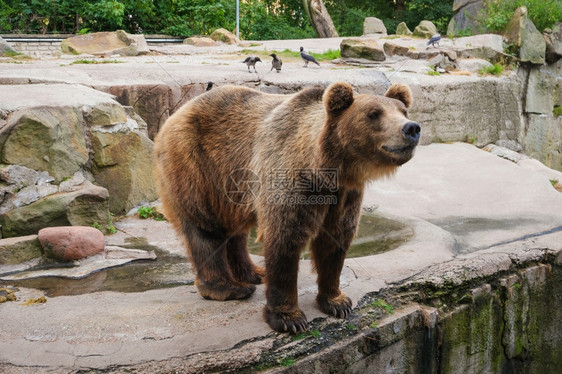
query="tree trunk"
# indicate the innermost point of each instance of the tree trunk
(320, 19)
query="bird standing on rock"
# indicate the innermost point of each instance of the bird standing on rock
(435, 39)
(251, 61)
(307, 58)
(276, 63)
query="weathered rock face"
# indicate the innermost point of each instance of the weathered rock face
(487, 46)
(553, 42)
(522, 33)
(362, 48)
(106, 43)
(200, 41)
(71, 243)
(466, 17)
(20, 249)
(84, 206)
(225, 36)
(446, 110)
(426, 29)
(6, 48)
(53, 146)
(373, 25)
(123, 164)
(402, 29)
(151, 102)
(542, 135)
(39, 138)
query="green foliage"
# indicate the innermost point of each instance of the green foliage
(148, 212)
(496, 69)
(259, 19)
(380, 303)
(554, 182)
(315, 333)
(145, 212)
(110, 228)
(557, 111)
(351, 327)
(433, 71)
(93, 62)
(287, 362)
(543, 13)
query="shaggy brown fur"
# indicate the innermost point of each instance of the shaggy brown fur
(294, 138)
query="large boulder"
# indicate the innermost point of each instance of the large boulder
(198, 41)
(466, 18)
(39, 138)
(225, 36)
(360, 48)
(426, 29)
(55, 142)
(106, 43)
(553, 40)
(373, 25)
(84, 206)
(402, 29)
(446, 108)
(6, 48)
(485, 46)
(524, 36)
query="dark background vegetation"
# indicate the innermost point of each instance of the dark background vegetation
(259, 19)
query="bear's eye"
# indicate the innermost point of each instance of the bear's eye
(374, 114)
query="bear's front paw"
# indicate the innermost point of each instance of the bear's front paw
(293, 321)
(339, 306)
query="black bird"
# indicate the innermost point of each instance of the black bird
(251, 61)
(209, 86)
(307, 58)
(276, 63)
(435, 39)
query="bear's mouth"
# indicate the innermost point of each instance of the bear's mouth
(399, 150)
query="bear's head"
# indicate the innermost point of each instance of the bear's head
(370, 130)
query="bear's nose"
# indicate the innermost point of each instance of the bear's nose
(411, 131)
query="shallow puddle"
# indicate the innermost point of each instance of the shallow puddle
(376, 234)
(142, 275)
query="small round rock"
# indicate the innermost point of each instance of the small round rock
(71, 242)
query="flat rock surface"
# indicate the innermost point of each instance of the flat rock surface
(460, 203)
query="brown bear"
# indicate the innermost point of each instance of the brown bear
(295, 166)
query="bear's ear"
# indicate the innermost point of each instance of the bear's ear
(400, 92)
(338, 97)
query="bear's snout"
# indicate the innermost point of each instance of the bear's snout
(412, 131)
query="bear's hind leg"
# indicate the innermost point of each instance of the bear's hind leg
(241, 265)
(214, 278)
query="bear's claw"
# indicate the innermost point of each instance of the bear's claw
(339, 307)
(293, 322)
